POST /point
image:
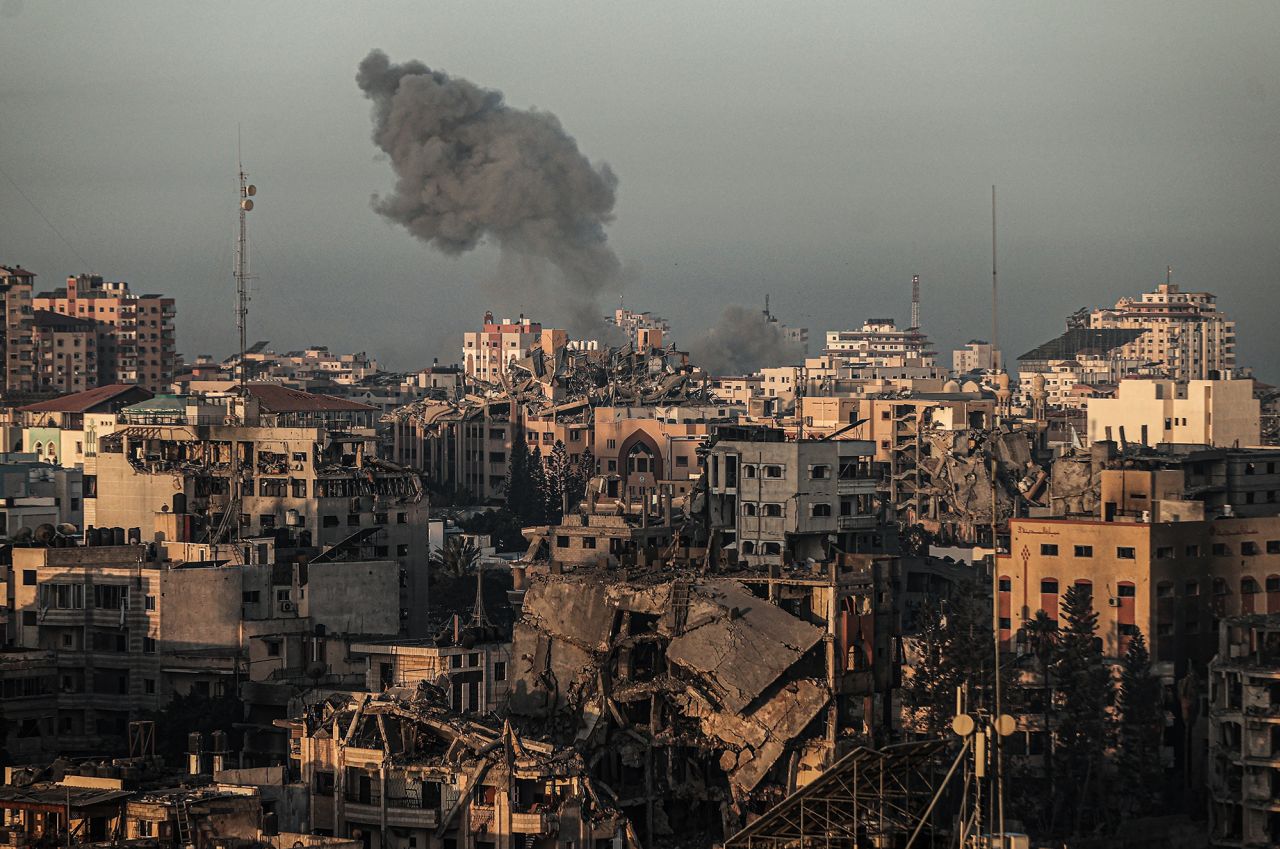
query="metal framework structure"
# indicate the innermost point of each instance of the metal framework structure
(870, 797)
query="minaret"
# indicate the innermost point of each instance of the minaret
(915, 301)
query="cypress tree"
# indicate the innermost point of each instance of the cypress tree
(1083, 684)
(518, 484)
(1140, 727)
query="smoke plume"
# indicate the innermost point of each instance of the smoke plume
(742, 342)
(468, 166)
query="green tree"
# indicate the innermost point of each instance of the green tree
(559, 483)
(536, 512)
(1139, 731)
(456, 557)
(1083, 687)
(929, 692)
(519, 487)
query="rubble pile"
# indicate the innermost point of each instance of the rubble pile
(684, 695)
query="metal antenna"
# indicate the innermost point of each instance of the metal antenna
(915, 300)
(995, 289)
(241, 273)
(478, 617)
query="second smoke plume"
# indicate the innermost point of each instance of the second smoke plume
(469, 166)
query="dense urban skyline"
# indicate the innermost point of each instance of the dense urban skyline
(823, 156)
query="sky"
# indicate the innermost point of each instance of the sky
(821, 153)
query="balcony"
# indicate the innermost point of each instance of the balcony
(855, 523)
(855, 486)
(530, 822)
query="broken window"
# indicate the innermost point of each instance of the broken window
(772, 511)
(819, 510)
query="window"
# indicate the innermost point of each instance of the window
(1128, 630)
(588, 542)
(328, 521)
(402, 518)
(772, 511)
(821, 472)
(1249, 548)
(499, 670)
(1126, 553)
(1048, 549)
(1192, 588)
(149, 686)
(148, 645)
(353, 520)
(267, 521)
(1220, 586)
(1049, 586)
(772, 548)
(1273, 546)
(748, 470)
(682, 461)
(1006, 584)
(273, 648)
(1273, 583)
(1127, 590)
(1164, 629)
(298, 488)
(1191, 551)
(562, 542)
(28, 577)
(1220, 549)
(144, 826)
(250, 597)
(402, 550)
(1248, 586)
(776, 472)
(748, 508)
(111, 597)
(819, 510)
(380, 518)
(272, 487)
(1164, 552)
(149, 602)
(1084, 551)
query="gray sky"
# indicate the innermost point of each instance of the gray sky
(821, 152)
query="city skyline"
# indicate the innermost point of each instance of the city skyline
(834, 206)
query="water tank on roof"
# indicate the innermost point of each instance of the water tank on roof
(117, 536)
(179, 503)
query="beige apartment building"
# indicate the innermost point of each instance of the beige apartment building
(1182, 332)
(1244, 734)
(127, 627)
(486, 353)
(1221, 413)
(135, 332)
(16, 346)
(181, 473)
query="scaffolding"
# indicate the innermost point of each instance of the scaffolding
(870, 797)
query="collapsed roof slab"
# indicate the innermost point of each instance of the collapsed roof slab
(738, 642)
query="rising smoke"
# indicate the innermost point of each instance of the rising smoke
(742, 342)
(469, 166)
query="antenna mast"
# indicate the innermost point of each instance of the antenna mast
(995, 289)
(915, 301)
(241, 273)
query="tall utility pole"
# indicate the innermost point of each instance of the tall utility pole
(241, 273)
(995, 289)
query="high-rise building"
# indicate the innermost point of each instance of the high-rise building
(66, 352)
(879, 342)
(1185, 333)
(15, 329)
(976, 355)
(135, 332)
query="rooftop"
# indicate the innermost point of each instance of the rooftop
(93, 400)
(1079, 339)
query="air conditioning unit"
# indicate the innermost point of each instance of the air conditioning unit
(286, 607)
(1113, 601)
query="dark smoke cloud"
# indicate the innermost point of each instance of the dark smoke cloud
(742, 342)
(469, 166)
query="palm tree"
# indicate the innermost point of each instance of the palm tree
(456, 557)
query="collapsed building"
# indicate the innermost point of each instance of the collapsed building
(401, 770)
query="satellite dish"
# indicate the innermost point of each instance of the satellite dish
(44, 532)
(246, 204)
(1005, 725)
(963, 725)
(251, 190)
